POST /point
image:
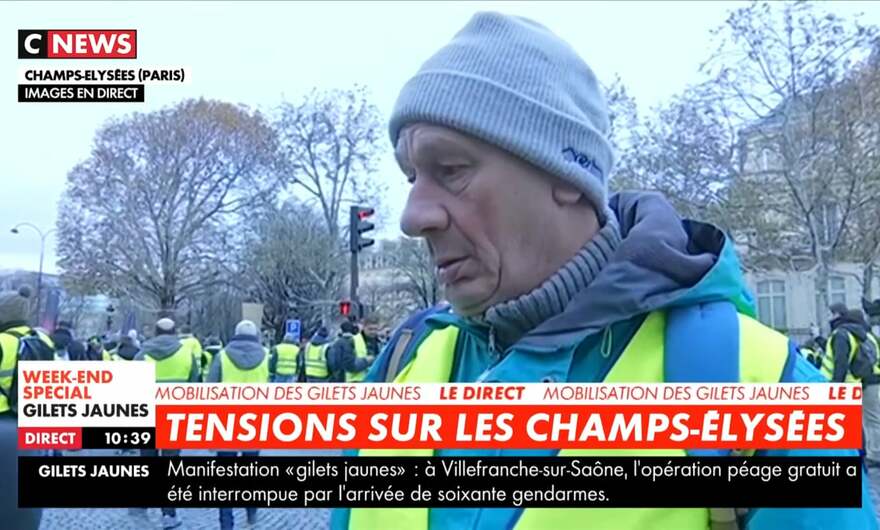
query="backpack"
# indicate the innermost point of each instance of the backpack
(865, 360)
(31, 347)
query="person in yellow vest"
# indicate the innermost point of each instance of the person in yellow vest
(314, 357)
(366, 343)
(110, 347)
(14, 311)
(243, 360)
(283, 360)
(851, 355)
(97, 350)
(173, 359)
(347, 357)
(244, 354)
(371, 333)
(503, 136)
(849, 332)
(191, 342)
(174, 364)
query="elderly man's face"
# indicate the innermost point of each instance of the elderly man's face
(488, 217)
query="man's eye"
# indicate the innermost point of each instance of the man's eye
(449, 170)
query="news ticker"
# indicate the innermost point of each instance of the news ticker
(75, 405)
(309, 482)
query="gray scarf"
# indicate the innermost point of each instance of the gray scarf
(512, 319)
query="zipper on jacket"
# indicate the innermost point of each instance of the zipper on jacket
(606, 347)
(494, 355)
(492, 349)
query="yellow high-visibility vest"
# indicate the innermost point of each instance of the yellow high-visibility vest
(360, 351)
(287, 354)
(762, 357)
(316, 361)
(9, 359)
(233, 374)
(176, 368)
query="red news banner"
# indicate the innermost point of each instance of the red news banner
(588, 416)
(57, 400)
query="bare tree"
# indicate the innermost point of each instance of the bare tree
(624, 121)
(857, 142)
(685, 149)
(72, 308)
(385, 302)
(288, 263)
(75, 300)
(146, 215)
(216, 313)
(413, 264)
(331, 145)
(775, 69)
(623, 115)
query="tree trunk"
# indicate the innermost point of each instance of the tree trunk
(822, 292)
(167, 306)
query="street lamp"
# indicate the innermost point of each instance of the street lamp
(43, 236)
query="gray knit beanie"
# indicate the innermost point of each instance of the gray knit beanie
(247, 327)
(165, 326)
(511, 82)
(14, 305)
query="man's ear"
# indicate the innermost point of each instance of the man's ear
(564, 194)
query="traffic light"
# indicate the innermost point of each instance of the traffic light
(358, 225)
(354, 311)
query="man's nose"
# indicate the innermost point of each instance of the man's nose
(424, 212)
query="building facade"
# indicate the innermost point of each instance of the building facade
(789, 301)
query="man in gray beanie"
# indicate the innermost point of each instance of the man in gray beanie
(173, 363)
(503, 136)
(243, 360)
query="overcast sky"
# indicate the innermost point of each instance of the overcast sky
(261, 53)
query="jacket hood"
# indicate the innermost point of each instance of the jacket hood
(662, 261)
(858, 330)
(127, 350)
(245, 351)
(161, 346)
(852, 322)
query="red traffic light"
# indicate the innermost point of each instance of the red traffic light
(345, 308)
(358, 225)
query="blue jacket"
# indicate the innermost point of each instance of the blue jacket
(662, 262)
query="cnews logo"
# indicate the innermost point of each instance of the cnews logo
(77, 44)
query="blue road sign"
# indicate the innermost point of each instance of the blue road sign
(294, 327)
